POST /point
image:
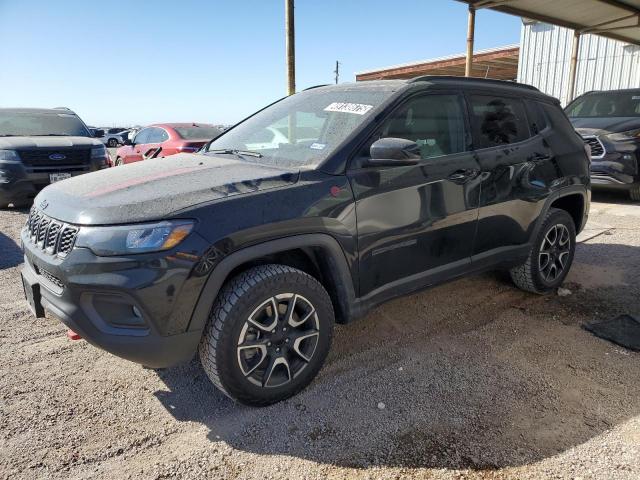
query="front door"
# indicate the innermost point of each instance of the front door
(416, 224)
(134, 154)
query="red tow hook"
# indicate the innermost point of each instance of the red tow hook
(73, 335)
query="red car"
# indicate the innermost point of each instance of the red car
(164, 139)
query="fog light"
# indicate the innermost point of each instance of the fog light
(137, 312)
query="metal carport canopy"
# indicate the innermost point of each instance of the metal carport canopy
(617, 19)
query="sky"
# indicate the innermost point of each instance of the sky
(127, 62)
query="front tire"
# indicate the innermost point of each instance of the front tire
(268, 334)
(634, 193)
(118, 161)
(550, 257)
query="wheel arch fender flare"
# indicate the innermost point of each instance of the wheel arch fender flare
(338, 269)
(564, 192)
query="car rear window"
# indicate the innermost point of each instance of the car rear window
(498, 120)
(198, 133)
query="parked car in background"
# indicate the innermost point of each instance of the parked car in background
(164, 139)
(111, 137)
(249, 257)
(42, 146)
(610, 123)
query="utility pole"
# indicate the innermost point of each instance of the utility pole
(573, 66)
(337, 71)
(290, 46)
(471, 26)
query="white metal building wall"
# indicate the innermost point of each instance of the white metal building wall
(603, 64)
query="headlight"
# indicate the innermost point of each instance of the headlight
(98, 151)
(9, 155)
(5, 176)
(127, 239)
(625, 136)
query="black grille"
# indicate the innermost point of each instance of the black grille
(67, 239)
(47, 234)
(61, 157)
(597, 149)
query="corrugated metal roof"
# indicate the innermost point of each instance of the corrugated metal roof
(617, 19)
(500, 63)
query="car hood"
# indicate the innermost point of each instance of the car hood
(155, 189)
(604, 125)
(22, 143)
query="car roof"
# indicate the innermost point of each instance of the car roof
(621, 90)
(38, 110)
(443, 81)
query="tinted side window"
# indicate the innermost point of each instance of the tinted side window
(142, 136)
(537, 118)
(497, 120)
(434, 122)
(161, 136)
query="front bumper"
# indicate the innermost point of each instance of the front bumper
(618, 167)
(137, 307)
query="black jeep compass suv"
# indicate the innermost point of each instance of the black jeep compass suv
(311, 211)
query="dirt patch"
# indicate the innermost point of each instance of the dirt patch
(479, 380)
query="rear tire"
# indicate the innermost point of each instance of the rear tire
(112, 142)
(634, 193)
(268, 334)
(551, 255)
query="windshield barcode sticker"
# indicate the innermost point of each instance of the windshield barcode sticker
(357, 108)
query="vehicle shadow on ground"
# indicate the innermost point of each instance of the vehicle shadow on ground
(473, 374)
(10, 252)
(612, 196)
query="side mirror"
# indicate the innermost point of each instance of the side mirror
(393, 152)
(97, 133)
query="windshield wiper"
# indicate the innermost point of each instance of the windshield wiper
(8, 135)
(51, 135)
(232, 151)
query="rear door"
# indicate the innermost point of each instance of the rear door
(517, 168)
(416, 223)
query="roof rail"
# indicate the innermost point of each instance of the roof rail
(449, 78)
(62, 108)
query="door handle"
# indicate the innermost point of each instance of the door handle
(462, 176)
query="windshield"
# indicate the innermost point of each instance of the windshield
(26, 124)
(197, 133)
(606, 104)
(304, 129)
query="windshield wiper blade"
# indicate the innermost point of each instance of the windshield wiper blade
(52, 135)
(232, 151)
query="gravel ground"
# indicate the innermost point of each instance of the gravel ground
(478, 380)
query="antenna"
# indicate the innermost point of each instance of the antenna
(337, 71)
